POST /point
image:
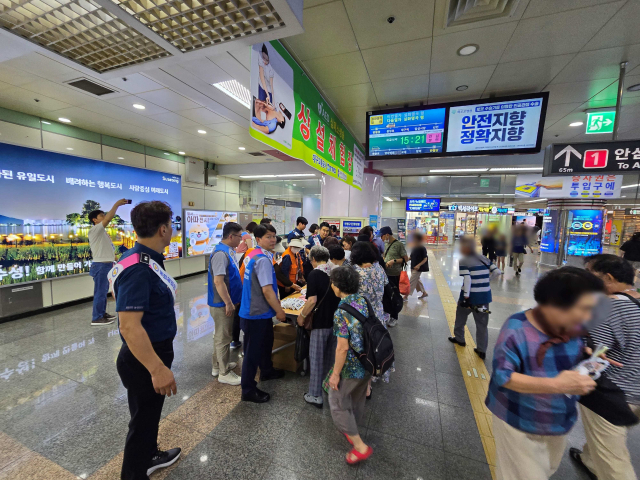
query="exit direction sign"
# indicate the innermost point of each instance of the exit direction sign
(600, 122)
(619, 158)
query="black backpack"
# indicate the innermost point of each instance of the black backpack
(392, 302)
(377, 355)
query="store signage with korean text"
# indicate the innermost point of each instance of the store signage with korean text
(618, 158)
(423, 204)
(495, 210)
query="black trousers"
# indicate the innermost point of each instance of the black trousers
(235, 335)
(145, 406)
(258, 343)
(395, 281)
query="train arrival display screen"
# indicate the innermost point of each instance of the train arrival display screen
(407, 133)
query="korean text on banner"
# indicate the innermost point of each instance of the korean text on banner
(289, 114)
(577, 186)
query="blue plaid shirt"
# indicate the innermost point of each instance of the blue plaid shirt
(516, 349)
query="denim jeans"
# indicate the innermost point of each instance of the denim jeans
(99, 271)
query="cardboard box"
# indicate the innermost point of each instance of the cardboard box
(283, 334)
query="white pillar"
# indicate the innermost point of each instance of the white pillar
(341, 200)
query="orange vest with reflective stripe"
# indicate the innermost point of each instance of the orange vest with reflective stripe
(296, 265)
(244, 263)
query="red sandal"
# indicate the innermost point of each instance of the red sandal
(359, 456)
(348, 439)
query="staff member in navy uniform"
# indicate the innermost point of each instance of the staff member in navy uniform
(144, 302)
(258, 307)
(224, 295)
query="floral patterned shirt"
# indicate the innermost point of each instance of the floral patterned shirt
(372, 282)
(346, 326)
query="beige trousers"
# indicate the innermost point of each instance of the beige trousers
(222, 337)
(524, 455)
(606, 453)
(415, 282)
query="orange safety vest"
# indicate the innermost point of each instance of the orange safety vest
(245, 261)
(296, 266)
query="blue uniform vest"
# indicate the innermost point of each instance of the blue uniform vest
(233, 274)
(245, 305)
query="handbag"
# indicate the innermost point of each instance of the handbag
(301, 351)
(308, 320)
(405, 284)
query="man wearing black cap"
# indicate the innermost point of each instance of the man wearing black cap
(395, 257)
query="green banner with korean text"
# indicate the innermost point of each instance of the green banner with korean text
(289, 114)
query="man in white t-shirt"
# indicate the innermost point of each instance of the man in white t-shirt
(265, 87)
(103, 253)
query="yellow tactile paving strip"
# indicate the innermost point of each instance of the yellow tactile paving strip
(474, 372)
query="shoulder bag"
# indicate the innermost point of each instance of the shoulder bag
(308, 320)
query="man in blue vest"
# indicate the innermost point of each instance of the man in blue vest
(224, 295)
(258, 307)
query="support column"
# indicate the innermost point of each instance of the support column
(341, 200)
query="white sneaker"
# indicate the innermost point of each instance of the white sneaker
(230, 378)
(393, 322)
(216, 371)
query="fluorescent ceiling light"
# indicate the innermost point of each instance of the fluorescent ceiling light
(630, 186)
(279, 176)
(515, 169)
(180, 153)
(166, 153)
(202, 131)
(576, 124)
(69, 148)
(538, 200)
(388, 199)
(257, 176)
(235, 90)
(454, 170)
(138, 106)
(241, 148)
(64, 120)
(120, 158)
(467, 50)
(46, 123)
(500, 194)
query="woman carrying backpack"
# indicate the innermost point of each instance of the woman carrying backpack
(348, 381)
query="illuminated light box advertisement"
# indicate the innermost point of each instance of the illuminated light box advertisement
(44, 225)
(407, 133)
(585, 233)
(579, 186)
(203, 230)
(548, 238)
(423, 205)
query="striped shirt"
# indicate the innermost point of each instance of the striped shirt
(478, 268)
(620, 331)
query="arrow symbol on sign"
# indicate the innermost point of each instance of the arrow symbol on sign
(567, 151)
(608, 122)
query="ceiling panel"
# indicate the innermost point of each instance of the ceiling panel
(440, 27)
(134, 83)
(538, 8)
(413, 20)
(352, 96)
(24, 100)
(622, 29)
(527, 75)
(169, 99)
(338, 70)
(355, 114)
(565, 32)
(401, 90)
(203, 116)
(16, 77)
(177, 121)
(576, 92)
(128, 101)
(82, 118)
(445, 83)
(599, 64)
(399, 60)
(559, 111)
(230, 128)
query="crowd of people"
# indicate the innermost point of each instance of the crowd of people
(577, 350)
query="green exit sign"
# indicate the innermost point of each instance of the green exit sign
(484, 182)
(600, 122)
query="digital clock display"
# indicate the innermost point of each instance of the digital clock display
(407, 133)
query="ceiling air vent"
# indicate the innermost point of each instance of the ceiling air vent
(462, 12)
(256, 154)
(90, 87)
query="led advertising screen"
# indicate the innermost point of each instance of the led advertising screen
(585, 233)
(423, 204)
(47, 198)
(203, 230)
(415, 132)
(548, 238)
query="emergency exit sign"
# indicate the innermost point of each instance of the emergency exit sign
(600, 122)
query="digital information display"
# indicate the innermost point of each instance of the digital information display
(423, 205)
(203, 230)
(44, 226)
(548, 240)
(585, 233)
(407, 133)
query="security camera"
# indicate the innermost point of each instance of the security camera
(391, 19)
(124, 79)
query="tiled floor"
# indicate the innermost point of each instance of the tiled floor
(63, 411)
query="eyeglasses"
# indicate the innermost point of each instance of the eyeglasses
(236, 235)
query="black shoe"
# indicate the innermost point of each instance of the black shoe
(102, 321)
(257, 396)
(575, 454)
(453, 340)
(163, 459)
(235, 345)
(108, 316)
(274, 374)
(482, 355)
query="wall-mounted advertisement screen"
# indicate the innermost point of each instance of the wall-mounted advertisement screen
(423, 205)
(203, 230)
(585, 233)
(548, 238)
(47, 198)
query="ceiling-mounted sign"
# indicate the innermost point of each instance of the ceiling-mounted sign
(423, 205)
(600, 122)
(577, 186)
(619, 158)
(289, 114)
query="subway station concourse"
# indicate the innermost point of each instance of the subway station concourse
(461, 126)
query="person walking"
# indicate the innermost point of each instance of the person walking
(533, 390)
(419, 264)
(322, 302)
(223, 296)
(475, 296)
(145, 297)
(348, 381)
(395, 257)
(103, 255)
(519, 244)
(258, 306)
(501, 252)
(605, 455)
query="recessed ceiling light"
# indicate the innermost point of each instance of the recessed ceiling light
(462, 88)
(120, 158)
(69, 148)
(576, 124)
(241, 148)
(634, 88)
(138, 106)
(64, 120)
(467, 50)
(202, 131)
(388, 199)
(46, 123)
(180, 153)
(293, 184)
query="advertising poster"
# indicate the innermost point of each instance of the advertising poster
(289, 114)
(548, 238)
(494, 126)
(402, 229)
(351, 227)
(616, 232)
(585, 233)
(579, 186)
(203, 230)
(44, 223)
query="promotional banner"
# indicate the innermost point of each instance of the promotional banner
(585, 233)
(423, 205)
(47, 197)
(289, 114)
(203, 230)
(548, 238)
(578, 186)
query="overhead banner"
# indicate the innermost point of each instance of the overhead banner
(596, 158)
(577, 186)
(289, 114)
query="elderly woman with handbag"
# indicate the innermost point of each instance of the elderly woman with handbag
(317, 316)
